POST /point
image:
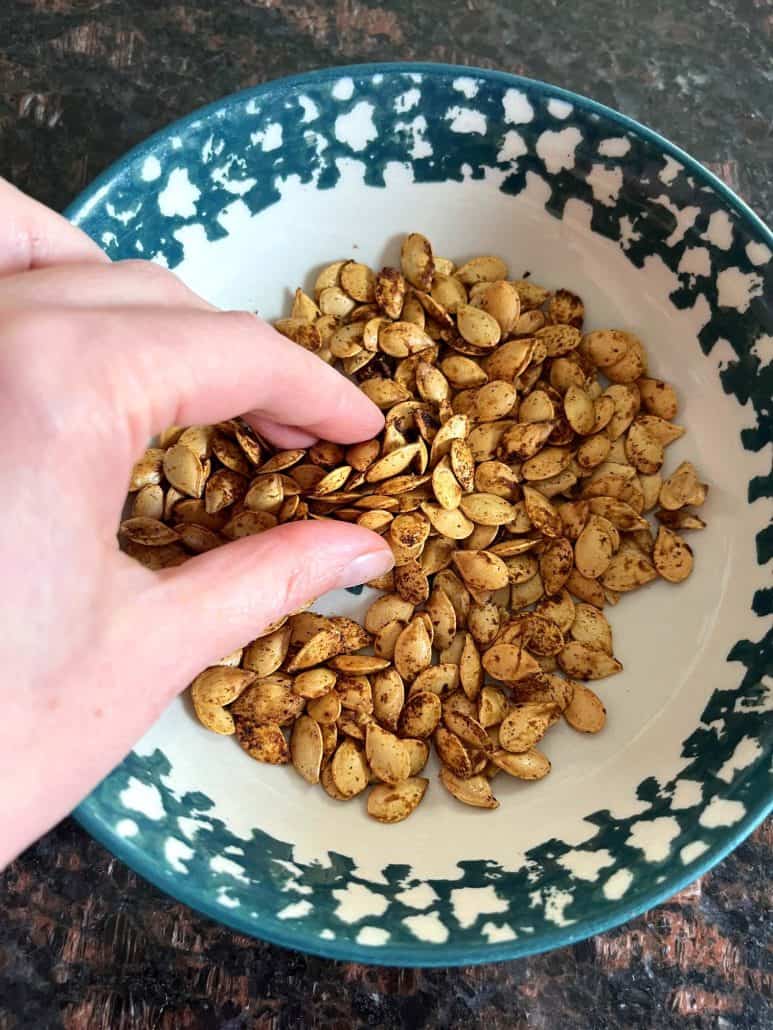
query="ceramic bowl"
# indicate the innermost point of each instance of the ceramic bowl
(243, 200)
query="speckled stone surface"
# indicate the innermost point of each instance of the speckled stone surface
(84, 943)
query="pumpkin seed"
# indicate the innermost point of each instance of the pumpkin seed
(452, 524)
(445, 485)
(524, 594)
(566, 308)
(384, 392)
(643, 450)
(593, 549)
(358, 281)
(388, 697)
(324, 644)
(526, 724)
(620, 514)
(682, 488)
(470, 668)
(387, 609)
(475, 791)
(559, 339)
(627, 571)
(484, 269)
(586, 713)
(631, 366)
(525, 765)
(184, 470)
(149, 502)
(452, 752)
(487, 509)
(495, 400)
(481, 570)
(541, 513)
(627, 402)
(215, 688)
(547, 689)
(492, 706)
(266, 654)
(269, 700)
(417, 262)
(680, 519)
(500, 299)
(314, 683)
(349, 770)
(440, 679)
(304, 625)
(334, 301)
(672, 556)
(223, 489)
(443, 616)
(605, 347)
(306, 748)
(326, 780)
(411, 582)
(386, 755)
(582, 662)
(418, 752)
(559, 609)
(263, 742)
(357, 664)
(529, 321)
(585, 589)
(526, 439)
(413, 651)
(580, 410)
(248, 523)
(150, 532)
(477, 327)
(389, 292)
(392, 804)
(169, 436)
(457, 593)
(420, 715)
(591, 628)
(399, 339)
(436, 555)
(550, 461)
(658, 398)
(509, 663)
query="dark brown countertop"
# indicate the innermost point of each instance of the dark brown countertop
(84, 943)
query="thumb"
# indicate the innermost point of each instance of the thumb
(195, 614)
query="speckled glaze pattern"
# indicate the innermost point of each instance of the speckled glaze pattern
(84, 942)
(438, 125)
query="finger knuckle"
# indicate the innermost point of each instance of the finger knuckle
(239, 321)
(148, 272)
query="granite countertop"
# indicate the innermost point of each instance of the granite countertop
(84, 943)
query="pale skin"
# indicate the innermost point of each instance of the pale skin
(95, 358)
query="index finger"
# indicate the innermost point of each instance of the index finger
(189, 366)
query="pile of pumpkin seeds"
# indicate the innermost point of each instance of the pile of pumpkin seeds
(519, 459)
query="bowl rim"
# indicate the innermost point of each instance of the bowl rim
(447, 954)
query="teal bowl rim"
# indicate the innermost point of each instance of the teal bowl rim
(443, 954)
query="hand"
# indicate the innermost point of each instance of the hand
(95, 358)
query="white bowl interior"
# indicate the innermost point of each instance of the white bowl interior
(673, 641)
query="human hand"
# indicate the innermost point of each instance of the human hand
(95, 358)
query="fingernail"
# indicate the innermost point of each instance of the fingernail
(366, 567)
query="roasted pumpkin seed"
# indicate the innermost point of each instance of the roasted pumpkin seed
(392, 804)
